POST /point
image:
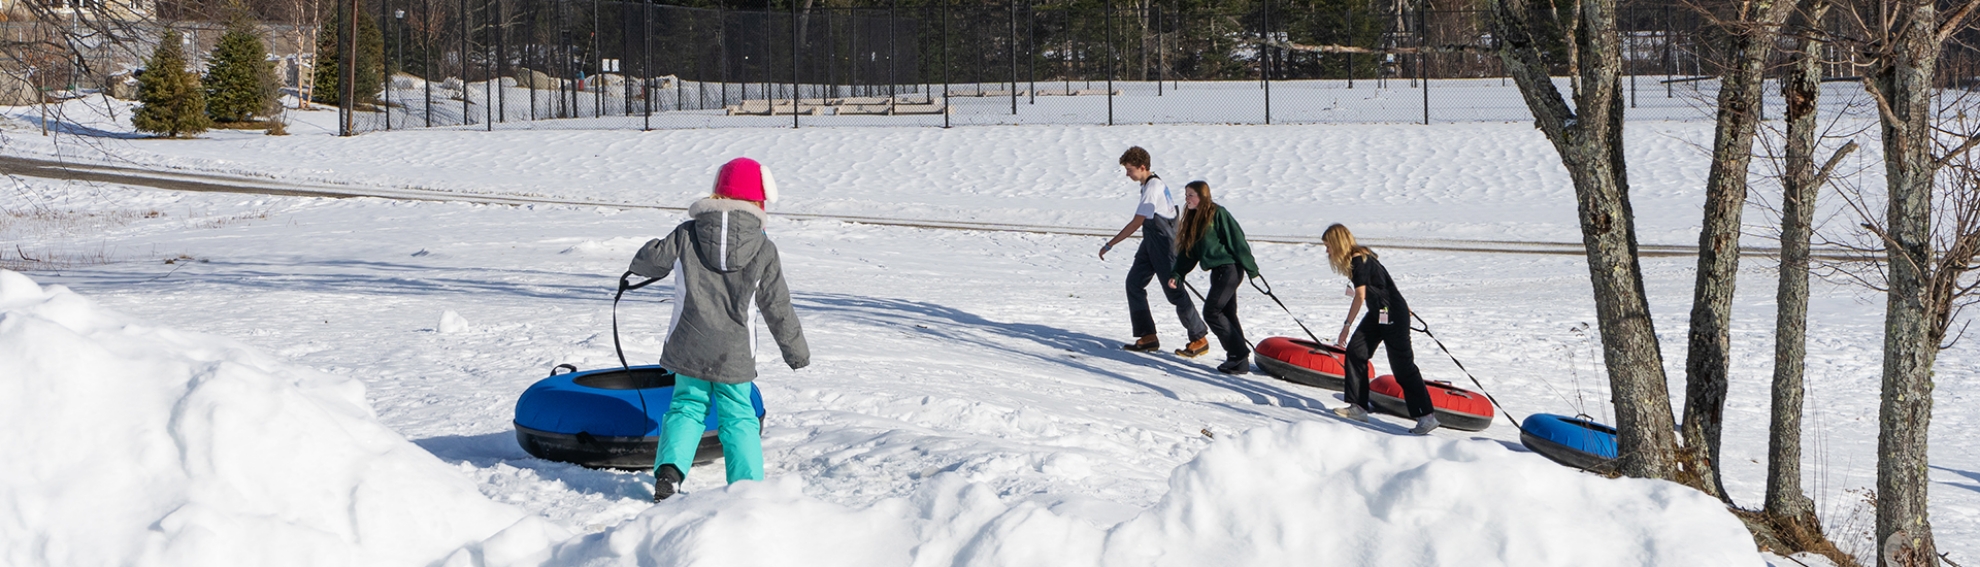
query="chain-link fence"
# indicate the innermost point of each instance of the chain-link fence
(573, 64)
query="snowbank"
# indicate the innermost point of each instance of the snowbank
(1299, 494)
(131, 444)
(135, 445)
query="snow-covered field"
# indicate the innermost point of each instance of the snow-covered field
(965, 405)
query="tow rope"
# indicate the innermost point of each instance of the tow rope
(625, 285)
(1467, 373)
(1267, 290)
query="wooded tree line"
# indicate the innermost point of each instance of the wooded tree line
(1131, 39)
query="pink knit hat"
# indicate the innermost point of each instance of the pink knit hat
(745, 179)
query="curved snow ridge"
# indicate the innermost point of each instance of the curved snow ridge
(1291, 494)
(136, 445)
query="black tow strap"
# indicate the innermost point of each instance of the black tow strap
(625, 285)
(1206, 305)
(1467, 373)
(1267, 290)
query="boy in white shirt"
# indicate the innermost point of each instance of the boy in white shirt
(1155, 216)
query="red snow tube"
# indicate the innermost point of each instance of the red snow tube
(1456, 408)
(1305, 362)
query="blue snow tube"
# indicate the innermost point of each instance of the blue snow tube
(1570, 441)
(594, 418)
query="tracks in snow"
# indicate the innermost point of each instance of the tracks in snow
(220, 183)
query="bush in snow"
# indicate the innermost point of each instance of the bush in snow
(240, 80)
(169, 96)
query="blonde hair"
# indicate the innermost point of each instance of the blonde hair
(1197, 220)
(1341, 249)
(759, 204)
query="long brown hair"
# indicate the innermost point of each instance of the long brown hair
(1197, 220)
(1341, 249)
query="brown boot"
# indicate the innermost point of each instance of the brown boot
(1147, 343)
(1195, 349)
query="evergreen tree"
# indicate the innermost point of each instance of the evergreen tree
(240, 80)
(329, 60)
(170, 99)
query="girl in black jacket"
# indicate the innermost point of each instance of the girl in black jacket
(1387, 323)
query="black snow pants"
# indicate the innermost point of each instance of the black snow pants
(1157, 257)
(1402, 361)
(1220, 309)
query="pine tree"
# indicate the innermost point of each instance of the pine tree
(170, 99)
(240, 80)
(329, 59)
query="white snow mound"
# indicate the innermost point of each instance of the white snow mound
(136, 445)
(1314, 493)
(622, 247)
(452, 323)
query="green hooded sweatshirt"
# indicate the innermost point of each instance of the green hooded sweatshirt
(1221, 245)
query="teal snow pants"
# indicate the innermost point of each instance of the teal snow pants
(687, 418)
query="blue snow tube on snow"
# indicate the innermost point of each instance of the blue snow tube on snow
(594, 418)
(1570, 441)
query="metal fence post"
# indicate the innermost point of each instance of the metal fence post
(792, 62)
(769, 98)
(493, 81)
(1423, 59)
(347, 68)
(1668, 24)
(1111, 56)
(467, 115)
(382, 14)
(501, 59)
(646, 67)
(1014, 41)
(597, 82)
(1349, 18)
(945, 63)
(426, 53)
(1265, 54)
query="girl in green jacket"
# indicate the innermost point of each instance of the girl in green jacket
(1209, 236)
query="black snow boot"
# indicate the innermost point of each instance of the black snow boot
(666, 482)
(1239, 365)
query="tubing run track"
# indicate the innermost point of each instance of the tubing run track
(219, 183)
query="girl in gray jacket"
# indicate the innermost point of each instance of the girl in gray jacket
(728, 272)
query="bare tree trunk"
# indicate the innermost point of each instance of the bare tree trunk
(1785, 500)
(1590, 145)
(1902, 81)
(306, 16)
(1748, 43)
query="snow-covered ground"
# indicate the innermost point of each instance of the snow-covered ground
(966, 403)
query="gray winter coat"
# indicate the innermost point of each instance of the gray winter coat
(728, 270)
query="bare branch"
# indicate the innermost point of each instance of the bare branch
(1822, 176)
(1970, 142)
(1883, 104)
(1956, 20)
